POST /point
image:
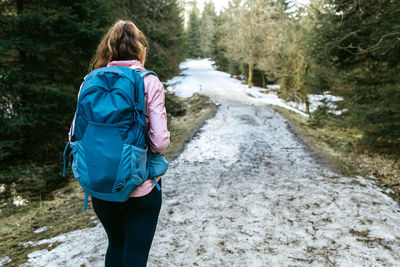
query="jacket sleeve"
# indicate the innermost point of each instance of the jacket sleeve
(158, 133)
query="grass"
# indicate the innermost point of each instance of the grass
(338, 148)
(360, 233)
(63, 213)
(62, 209)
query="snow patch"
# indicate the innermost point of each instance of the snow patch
(79, 247)
(274, 86)
(42, 229)
(19, 201)
(4, 260)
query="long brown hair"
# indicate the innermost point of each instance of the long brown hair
(123, 41)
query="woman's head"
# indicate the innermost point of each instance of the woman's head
(123, 41)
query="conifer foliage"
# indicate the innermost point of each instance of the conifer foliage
(45, 48)
(356, 51)
(194, 50)
(207, 29)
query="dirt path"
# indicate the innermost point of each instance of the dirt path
(246, 192)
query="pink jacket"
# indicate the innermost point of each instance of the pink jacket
(157, 121)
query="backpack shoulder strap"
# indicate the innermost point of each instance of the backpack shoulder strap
(145, 72)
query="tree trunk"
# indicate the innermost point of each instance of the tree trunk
(250, 80)
(263, 80)
(20, 6)
(307, 102)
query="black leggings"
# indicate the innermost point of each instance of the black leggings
(130, 228)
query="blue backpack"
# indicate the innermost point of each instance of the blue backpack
(108, 137)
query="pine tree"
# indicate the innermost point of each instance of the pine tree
(218, 51)
(194, 50)
(356, 50)
(45, 47)
(207, 28)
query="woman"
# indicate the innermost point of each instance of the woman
(131, 225)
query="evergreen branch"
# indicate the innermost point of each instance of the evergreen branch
(368, 49)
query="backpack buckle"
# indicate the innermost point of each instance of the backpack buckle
(134, 115)
(119, 187)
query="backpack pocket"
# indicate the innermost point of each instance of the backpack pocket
(158, 165)
(102, 148)
(132, 169)
(75, 154)
(79, 167)
(138, 164)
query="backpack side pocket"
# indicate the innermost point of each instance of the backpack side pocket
(158, 165)
(76, 158)
(138, 164)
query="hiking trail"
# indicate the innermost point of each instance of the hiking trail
(246, 191)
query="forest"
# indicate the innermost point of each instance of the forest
(348, 48)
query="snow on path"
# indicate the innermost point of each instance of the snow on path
(247, 192)
(199, 76)
(204, 78)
